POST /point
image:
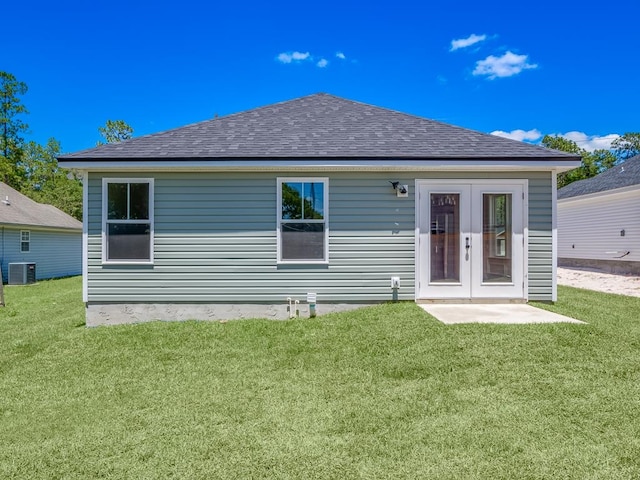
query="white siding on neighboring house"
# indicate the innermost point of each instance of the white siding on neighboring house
(590, 226)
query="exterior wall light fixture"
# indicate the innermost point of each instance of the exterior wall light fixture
(401, 190)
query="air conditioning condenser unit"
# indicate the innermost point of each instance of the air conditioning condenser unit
(22, 273)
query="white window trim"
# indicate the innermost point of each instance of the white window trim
(325, 220)
(105, 183)
(28, 241)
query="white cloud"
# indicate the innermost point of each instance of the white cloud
(300, 56)
(323, 62)
(521, 135)
(584, 141)
(341, 56)
(507, 65)
(466, 42)
(288, 57)
(591, 142)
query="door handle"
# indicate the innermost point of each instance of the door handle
(467, 244)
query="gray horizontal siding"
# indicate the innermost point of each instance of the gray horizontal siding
(540, 237)
(56, 254)
(215, 240)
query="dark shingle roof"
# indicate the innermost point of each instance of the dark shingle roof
(314, 126)
(623, 175)
(17, 209)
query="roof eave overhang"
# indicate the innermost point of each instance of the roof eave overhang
(48, 228)
(559, 164)
(602, 193)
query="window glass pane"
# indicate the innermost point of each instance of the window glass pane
(313, 201)
(117, 201)
(130, 241)
(25, 237)
(302, 241)
(292, 201)
(139, 201)
(496, 238)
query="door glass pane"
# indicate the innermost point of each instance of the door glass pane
(496, 238)
(445, 237)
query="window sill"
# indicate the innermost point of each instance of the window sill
(302, 263)
(126, 262)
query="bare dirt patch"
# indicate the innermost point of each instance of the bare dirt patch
(602, 282)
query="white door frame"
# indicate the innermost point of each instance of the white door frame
(422, 263)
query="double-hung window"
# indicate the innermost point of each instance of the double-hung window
(25, 241)
(127, 220)
(302, 220)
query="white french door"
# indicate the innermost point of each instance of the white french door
(471, 239)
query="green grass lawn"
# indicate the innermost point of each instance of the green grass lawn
(382, 392)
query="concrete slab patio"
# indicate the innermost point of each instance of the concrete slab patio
(452, 314)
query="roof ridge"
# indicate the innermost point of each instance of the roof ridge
(318, 125)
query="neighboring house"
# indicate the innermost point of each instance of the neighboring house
(38, 234)
(242, 215)
(599, 220)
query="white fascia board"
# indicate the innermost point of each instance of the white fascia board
(320, 165)
(40, 228)
(604, 193)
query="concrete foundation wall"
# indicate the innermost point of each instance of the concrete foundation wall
(120, 313)
(619, 267)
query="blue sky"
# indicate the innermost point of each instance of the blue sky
(522, 69)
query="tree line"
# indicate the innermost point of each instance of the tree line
(32, 168)
(593, 163)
